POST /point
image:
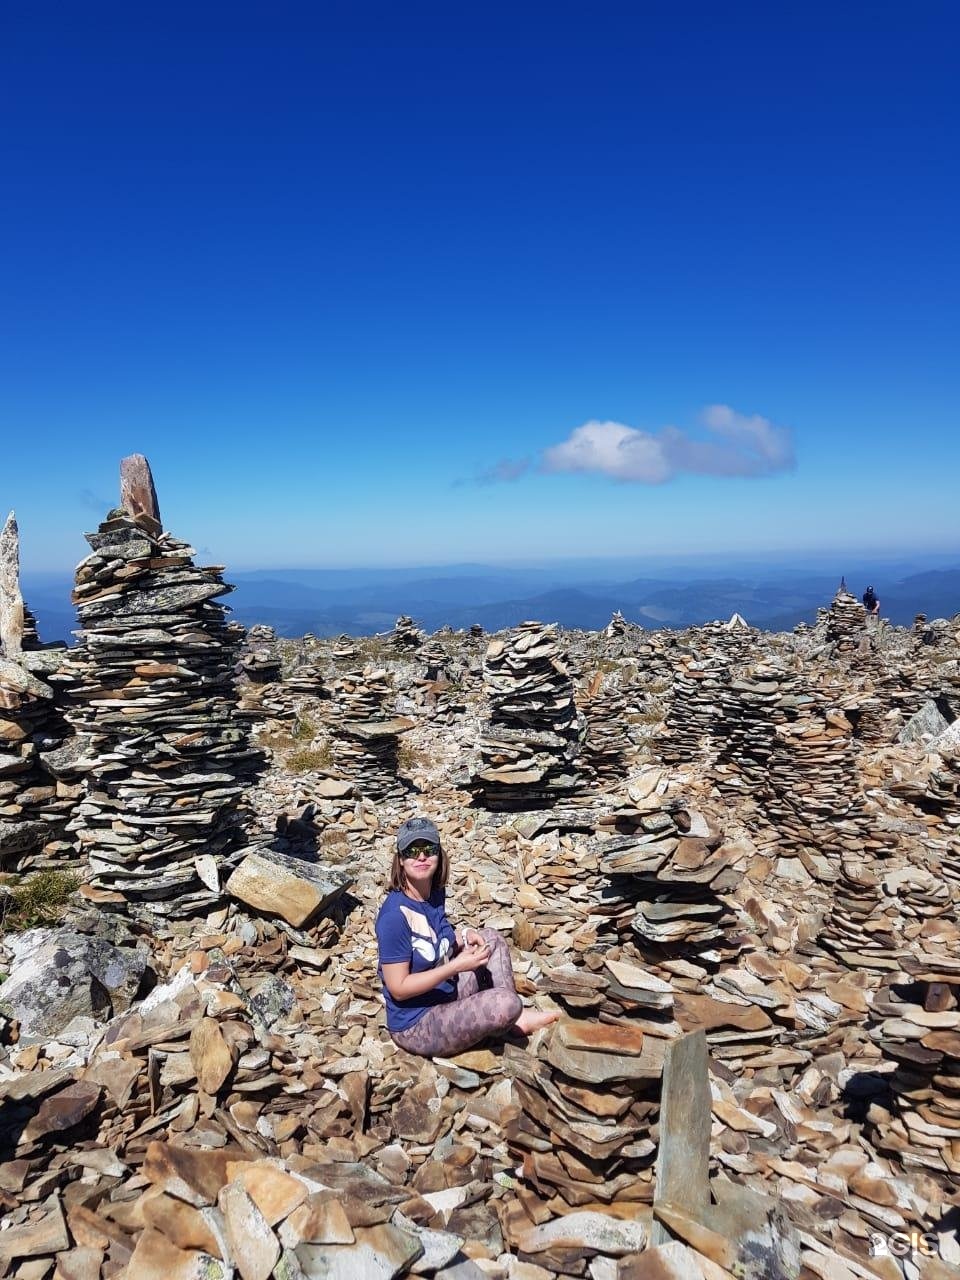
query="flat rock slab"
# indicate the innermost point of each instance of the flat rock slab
(592, 1232)
(287, 887)
(252, 1244)
(379, 1253)
(156, 1258)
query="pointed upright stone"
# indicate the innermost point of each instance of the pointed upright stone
(11, 601)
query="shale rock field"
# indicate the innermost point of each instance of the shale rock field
(729, 859)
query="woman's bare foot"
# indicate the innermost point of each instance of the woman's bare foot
(533, 1019)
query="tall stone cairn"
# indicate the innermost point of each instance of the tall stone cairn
(688, 731)
(366, 733)
(845, 622)
(530, 744)
(607, 745)
(167, 758)
(34, 808)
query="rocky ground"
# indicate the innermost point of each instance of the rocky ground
(730, 860)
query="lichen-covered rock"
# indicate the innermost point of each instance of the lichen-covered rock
(56, 975)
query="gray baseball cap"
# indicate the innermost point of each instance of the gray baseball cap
(417, 829)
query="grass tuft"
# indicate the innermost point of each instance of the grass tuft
(39, 899)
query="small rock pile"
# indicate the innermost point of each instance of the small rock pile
(790, 758)
(366, 735)
(617, 626)
(406, 635)
(663, 883)
(166, 758)
(585, 1109)
(434, 657)
(915, 1021)
(260, 658)
(304, 680)
(344, 652)
(530, 743)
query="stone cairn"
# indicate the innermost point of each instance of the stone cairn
(166, 757)
(36, 795)
(366, 735)
(607, 744)
(406, 635)
(617, 626)
(663, 880)
(259, 671)
(845, 621)
(583, 1125)
(344, 652)
(530, 743)
(795, 754)
(915, 1022)
(434, 658)
(260, 658)
(305, 680)
(688, 731)
(935, 792)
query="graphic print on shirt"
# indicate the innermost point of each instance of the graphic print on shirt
(423, 939)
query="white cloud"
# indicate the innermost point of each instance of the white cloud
(737, 445)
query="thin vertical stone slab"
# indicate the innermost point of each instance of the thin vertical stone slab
(11, 601)
(138, 497)
(683, 1161)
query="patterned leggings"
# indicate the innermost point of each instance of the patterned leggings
(486, 1003)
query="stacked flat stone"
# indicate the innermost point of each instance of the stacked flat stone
(663, 880)
(366, 733)
(31, 637)
(344, 651)
(259, 656)
(167, 759)
(916, 1024)
(530, 743)
(406, 635)
(305, 679)
(935, 791)
(607, 745)
(617, 626)
(30, 814)
(584, 1128)
(815, 801)
(861, 926)
(259, 670)
(434, 657)
(845, 621)
(34, 806)
(689, 729)
(752, 707)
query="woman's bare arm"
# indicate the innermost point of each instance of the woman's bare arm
(404, 985)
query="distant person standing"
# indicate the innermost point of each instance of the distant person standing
(870, 602)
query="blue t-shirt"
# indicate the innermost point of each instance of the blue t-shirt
(420, 934)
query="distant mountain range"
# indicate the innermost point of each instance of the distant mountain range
(580, 594)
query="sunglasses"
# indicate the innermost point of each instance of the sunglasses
(415, 850)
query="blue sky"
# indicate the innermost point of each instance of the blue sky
(340, 270)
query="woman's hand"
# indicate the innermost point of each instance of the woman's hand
(471, 938)
(472, 956)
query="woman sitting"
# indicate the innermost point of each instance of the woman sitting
(444, 994)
